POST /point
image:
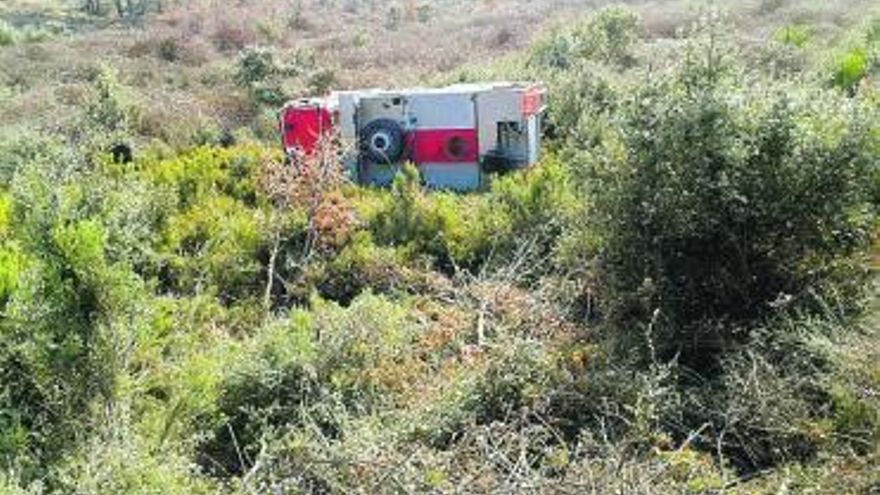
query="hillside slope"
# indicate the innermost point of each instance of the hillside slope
(679, 298)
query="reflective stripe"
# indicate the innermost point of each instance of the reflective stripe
(443, 145)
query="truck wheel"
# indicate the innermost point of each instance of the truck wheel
(382, 141)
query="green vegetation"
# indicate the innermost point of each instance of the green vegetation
(681, 298)
(797, 35)
(7, 34)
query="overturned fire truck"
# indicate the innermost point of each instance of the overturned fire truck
(454, 135)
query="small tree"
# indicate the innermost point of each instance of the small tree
(310, 184)
(259, 70)
(110, 108)
(606, 37)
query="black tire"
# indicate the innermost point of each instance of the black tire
(381, 141)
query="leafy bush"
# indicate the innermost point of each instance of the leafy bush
(260, 72)
(361, 265)
(769, 406)
(305, 373)
(553, 51)
(122, 462)
(68, 311)
(8, 34)
(169, 49)
(607, 37)
(584, 98)
(321, 81)
(112, 109)
(796, 35)
(214, 245)
(12, 266)
(514, 381)
(198, 174)
(411, 219)
(521, 212)
(530, 211)
(851, 68)
(20, 148)
(273, 385)
(727, 204)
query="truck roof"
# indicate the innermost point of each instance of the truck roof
(460, 88)
(453, 89)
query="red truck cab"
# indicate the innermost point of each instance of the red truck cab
(303, 124)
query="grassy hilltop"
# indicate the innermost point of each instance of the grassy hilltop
(680, 299)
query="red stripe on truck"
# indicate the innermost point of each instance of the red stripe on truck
(443, 145)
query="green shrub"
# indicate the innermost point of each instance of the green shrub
(181, 355)
(359, 266)
(584, 98)
(273, 385)
(364, 350)
(169, 49)
(531, 210)
(8, 34)
(523, 213)
(769, 405)
(787, 396)
(67, 313)
(850, 68)
(726, 204)
(796, 35)
(12, 260)
(409, 219)
(260, 72)
(514, 381)
(196, 175)
(256, 65)
(21, 147)
(321, 81)
(553, 51)
(603, 393)
(112, 110)
(856, 420)
(214, 245)
(5, 215)
(608, 36)
(122, 462)
(10, 486)
(308, 372)
(12, 264)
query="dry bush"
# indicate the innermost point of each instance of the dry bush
(232, 109)
(310, 184)
(171, 48)
(229, 37)
(666, 20)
